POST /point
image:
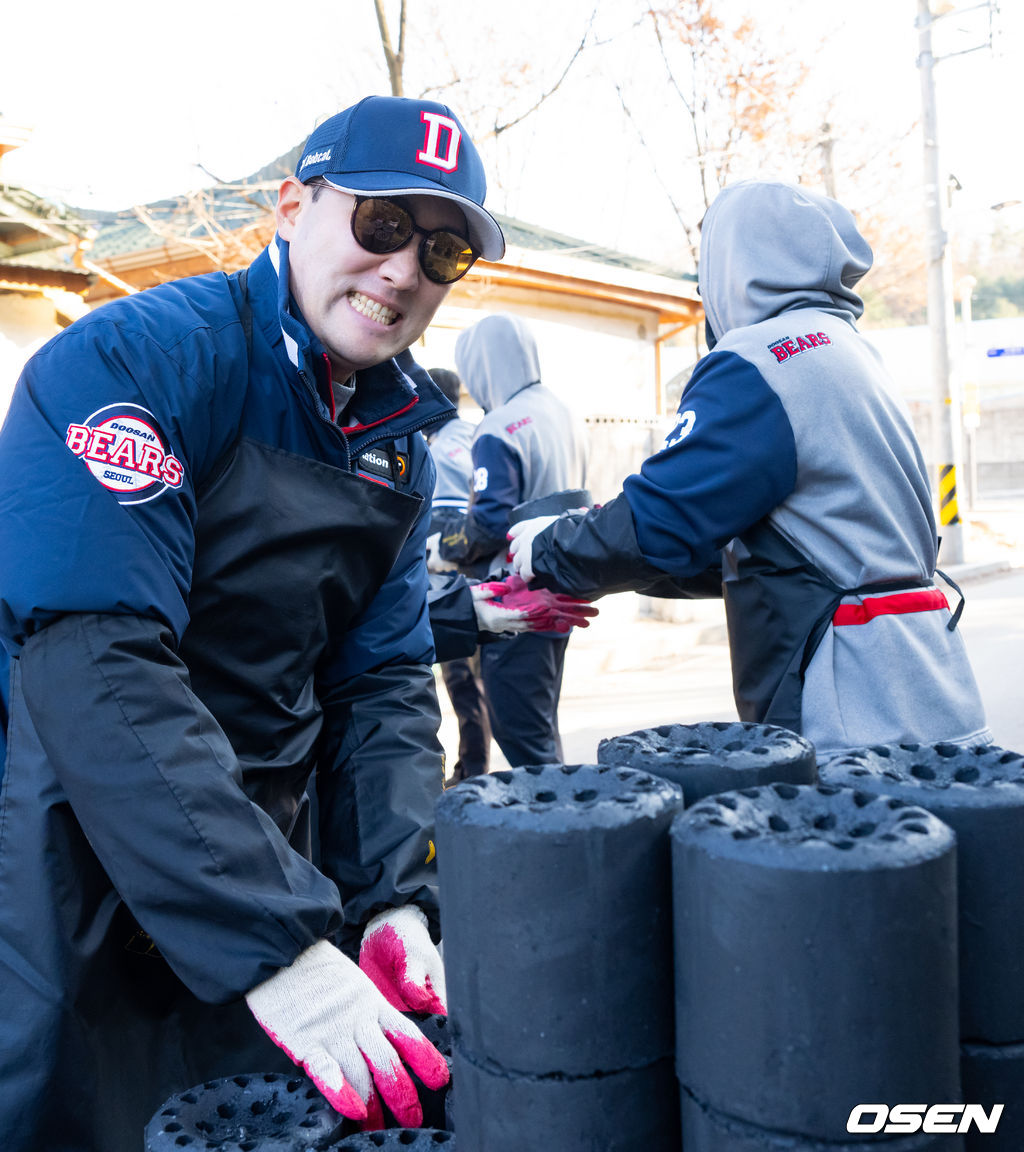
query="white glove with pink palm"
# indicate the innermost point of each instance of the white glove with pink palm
(328, 1016)
(404, 963)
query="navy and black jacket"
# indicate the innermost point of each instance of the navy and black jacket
(209, 596)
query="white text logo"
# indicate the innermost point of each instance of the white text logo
(683, 429)
(314, 158)
(430, 154)
(903, 1119)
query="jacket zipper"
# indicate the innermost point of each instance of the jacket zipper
(374, 439)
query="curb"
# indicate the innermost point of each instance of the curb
(968, 573)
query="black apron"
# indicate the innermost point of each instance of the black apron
(778, 607)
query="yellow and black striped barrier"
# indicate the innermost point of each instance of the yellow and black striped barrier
(949, 512)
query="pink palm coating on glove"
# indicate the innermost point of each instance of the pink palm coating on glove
(383, 958)
(374, 1121)
(331, 1019)
(422, 1057)
(547, 611)
(402, 961)
(393, 1084)
(345, 1099)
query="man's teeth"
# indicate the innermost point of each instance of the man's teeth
(367, 307)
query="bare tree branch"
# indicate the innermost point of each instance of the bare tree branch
(692, 239)
(499, 128)
(213, 176)
(394, 60)
(690, 106)
(194, 225)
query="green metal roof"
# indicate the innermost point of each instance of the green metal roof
(32, 224)
(38, 238)
(228, 207)
(232, 206)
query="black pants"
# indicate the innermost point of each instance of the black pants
(466, 692)
(522, 680)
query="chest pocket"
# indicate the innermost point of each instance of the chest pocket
(288, 552)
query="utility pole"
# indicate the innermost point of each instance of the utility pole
(828, 171)
(947, 448)
(970, 411)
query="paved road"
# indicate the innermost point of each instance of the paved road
(627, 672)
(993, 625)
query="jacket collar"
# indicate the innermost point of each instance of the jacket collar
(383, 392)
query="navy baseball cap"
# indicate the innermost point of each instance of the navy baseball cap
(392, 146)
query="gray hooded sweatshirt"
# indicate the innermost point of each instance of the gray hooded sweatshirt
(794, 455)
(528, 444)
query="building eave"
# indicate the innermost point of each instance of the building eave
(672, 302)
(25, 278)
(549, 272)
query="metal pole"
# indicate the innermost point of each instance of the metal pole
(946, 439)
(970, 407)
(828, 170)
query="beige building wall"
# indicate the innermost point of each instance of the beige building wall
(601, 359)
(27, 321)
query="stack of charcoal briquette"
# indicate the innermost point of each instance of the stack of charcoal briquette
(979, 792)
(557, 926)
(813, 938)
(828, 941)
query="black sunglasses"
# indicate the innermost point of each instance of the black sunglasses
(383, 226)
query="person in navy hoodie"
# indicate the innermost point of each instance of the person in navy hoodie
(529, 445)
(215, 501)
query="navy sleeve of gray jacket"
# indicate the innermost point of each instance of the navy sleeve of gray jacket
(597, 554)
(728, 462)
(497, 488)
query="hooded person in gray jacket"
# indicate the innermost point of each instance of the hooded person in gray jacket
(528, 445)
(450, 446)
(795, 456)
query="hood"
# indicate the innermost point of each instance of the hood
(497, 358)
(768, 248)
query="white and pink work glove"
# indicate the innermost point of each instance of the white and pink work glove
(521, 537)
(540, 610)
(492, 614)
(403, 962)
(328, 1016)
(435, 561)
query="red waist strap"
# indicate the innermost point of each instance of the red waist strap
(929, 600)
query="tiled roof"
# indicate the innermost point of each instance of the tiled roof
(229, 207)
(31, 223)
(51, 274)
(235, 205)
(37, 239)
(53, 260)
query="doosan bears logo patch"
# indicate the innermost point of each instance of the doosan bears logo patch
(123, 447)
(790, 346)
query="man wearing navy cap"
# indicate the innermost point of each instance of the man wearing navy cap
(215, 502)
